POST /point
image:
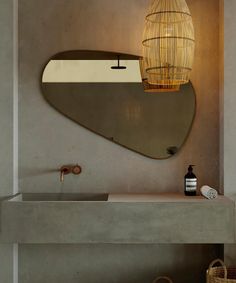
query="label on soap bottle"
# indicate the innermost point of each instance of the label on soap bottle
(190, 185)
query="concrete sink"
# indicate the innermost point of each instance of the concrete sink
(54, 197)
(116, 218)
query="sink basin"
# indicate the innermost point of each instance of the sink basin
(59, 197)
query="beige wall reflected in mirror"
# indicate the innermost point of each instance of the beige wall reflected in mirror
(91, 71)
(112, 102)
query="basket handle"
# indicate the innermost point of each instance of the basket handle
(221, 263)
(162, 278)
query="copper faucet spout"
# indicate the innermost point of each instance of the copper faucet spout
(65, 170)
(62, 176)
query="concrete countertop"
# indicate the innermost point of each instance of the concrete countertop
(165, 197)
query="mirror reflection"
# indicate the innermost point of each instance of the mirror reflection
(103, 92)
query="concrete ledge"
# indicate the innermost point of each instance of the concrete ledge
(121, 219)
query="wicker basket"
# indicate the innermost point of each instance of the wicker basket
(220, 274)
(162, 278)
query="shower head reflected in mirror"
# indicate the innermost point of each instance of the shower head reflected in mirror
(118, 67)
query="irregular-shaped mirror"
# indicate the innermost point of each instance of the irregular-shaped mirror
(103, 92)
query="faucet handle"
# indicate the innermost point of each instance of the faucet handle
(76, 170)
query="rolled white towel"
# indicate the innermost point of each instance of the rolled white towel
(209, 192)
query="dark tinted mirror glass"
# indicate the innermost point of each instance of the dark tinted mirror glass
(103, 92)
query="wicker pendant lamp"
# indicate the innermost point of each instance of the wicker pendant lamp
(168, 46)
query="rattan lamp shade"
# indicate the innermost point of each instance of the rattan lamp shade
(168, 45)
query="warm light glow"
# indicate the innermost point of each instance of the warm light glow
(168, 45)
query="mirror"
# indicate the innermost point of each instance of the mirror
(103, 92)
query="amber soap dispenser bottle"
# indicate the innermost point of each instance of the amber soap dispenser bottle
(190, 182)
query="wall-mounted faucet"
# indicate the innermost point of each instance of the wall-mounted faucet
(69, 169)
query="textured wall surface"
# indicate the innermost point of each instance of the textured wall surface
(6, 97)
(229, 102)
(6, 263)
(48, 140)
(114, 264)
(229, 98)
(6, 124)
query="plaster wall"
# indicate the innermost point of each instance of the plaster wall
(229, 98)
(6, 264)
(6, 97)
(114, 263)
(48, 140)
(228, 109)
(7, 78)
